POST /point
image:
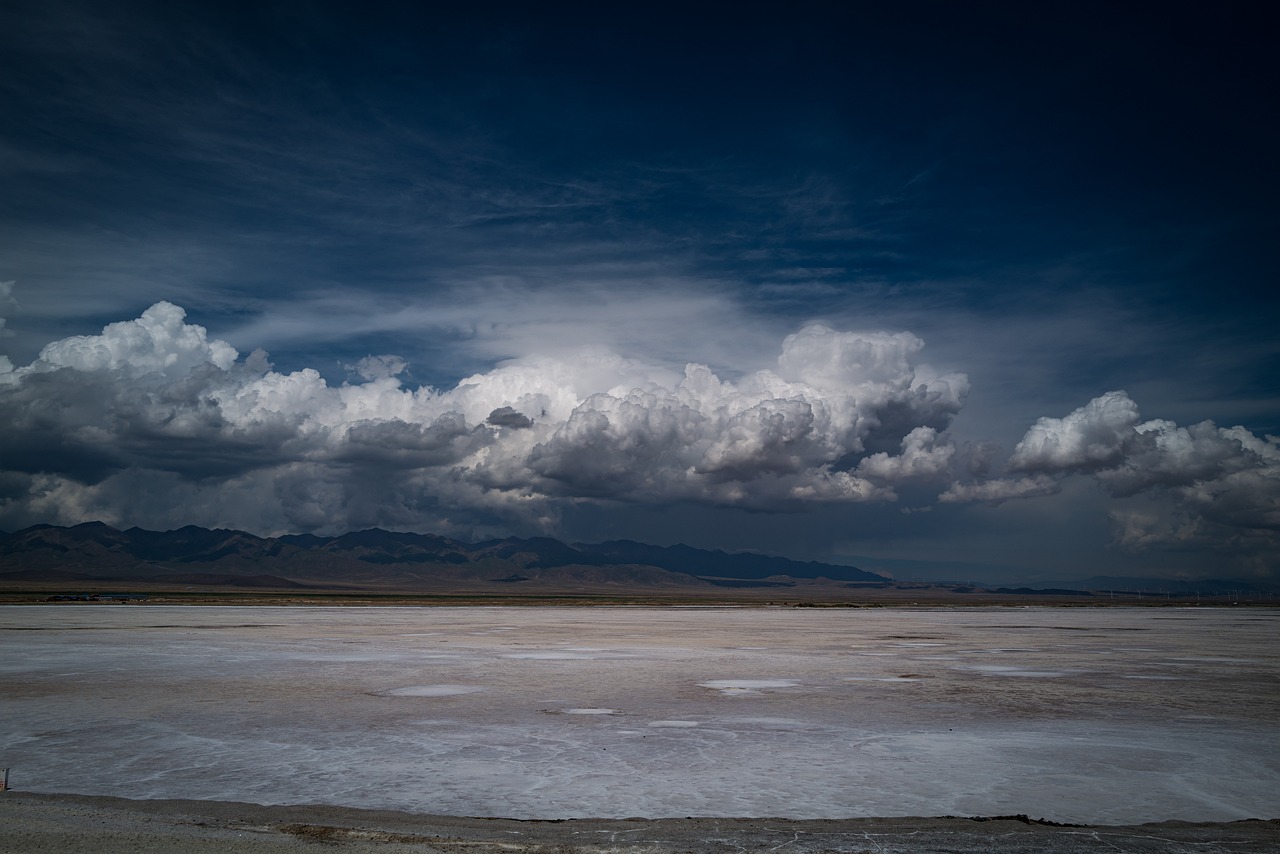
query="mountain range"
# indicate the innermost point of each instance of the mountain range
(374, 558)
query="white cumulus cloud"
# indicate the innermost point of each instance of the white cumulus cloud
(921, 456)
(152, 418)
(158, 341)
(1219, 483)
(1091, 437)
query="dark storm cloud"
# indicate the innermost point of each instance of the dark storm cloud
(401, 445)
(505, 416)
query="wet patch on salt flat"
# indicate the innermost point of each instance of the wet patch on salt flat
(567, 655)
(334, 658)
(746, 686)
(1003, 649)
(433, 691)
(591, 711)
(881, 679)
(770, 723)
(1000, 670)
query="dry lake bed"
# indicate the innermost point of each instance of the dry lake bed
(1083, 715)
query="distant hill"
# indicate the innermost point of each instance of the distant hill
(193, 555)
(719, 564)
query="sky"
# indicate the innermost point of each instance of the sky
(950, 291)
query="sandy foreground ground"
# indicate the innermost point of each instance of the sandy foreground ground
(61, 824)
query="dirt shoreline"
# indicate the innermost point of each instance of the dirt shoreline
(36, 823)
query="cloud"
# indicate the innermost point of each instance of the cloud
(1000, 489)
(1090, 438)
(1224, 481)
(152, 418)
(6, 296)
(379, 367)
(505, 416)
(921, 457)
(1219, 484)
(157, 342)
(155, 422)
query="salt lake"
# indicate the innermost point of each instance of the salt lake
(1088, 714)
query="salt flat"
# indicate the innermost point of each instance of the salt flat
(1091, 715)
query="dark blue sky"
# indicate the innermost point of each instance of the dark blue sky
(1073, 207)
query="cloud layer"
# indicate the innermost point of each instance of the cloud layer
(1222, 484)
(153, 422)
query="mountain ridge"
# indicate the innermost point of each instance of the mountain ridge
(96, 551)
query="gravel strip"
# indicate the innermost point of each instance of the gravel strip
(61, 824)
